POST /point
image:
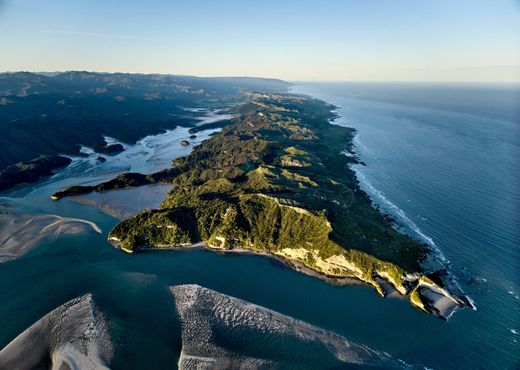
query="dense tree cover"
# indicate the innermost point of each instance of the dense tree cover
(30, 171)
(55, 114)
(125, 180)
(274, 179)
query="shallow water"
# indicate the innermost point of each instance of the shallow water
(133, 289)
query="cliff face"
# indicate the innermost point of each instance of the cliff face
(274, 182)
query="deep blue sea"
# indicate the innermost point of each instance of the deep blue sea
(442, 159)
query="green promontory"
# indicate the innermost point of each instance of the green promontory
(274, 182)
(125, 180)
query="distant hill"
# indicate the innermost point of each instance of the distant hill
(55, 113)
(82, 83)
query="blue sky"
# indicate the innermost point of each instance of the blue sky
(428, 40)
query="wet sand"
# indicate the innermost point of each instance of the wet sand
(124, 203)
(72, 336)
(20, 233)
(208, 318)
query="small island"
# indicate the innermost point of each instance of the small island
(109, 149)
(273, 182)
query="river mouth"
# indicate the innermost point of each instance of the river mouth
(72, 257)
(133, 291)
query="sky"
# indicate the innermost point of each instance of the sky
(300, 40)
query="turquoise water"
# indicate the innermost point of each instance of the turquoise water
(447, 175)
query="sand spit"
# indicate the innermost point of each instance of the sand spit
(72, 336)
(124, 203)
(214, 328)
(20, 233)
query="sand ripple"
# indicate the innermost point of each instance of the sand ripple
(72, 336)
(219, 331)
(20, 233)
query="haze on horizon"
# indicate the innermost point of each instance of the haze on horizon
(402, 40)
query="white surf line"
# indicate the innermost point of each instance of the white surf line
(111, 141)
(403, 218)
(381, 197)
(399, 212)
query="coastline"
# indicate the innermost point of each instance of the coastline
(435, 260)
(229, 202)
(288, 263)
(446, 170)
(440, 302)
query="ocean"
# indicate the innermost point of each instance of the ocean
(444, 161)
(441, 159)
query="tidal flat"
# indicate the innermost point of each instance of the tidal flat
(69, 267)
(20, 232)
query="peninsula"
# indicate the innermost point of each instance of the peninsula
(31, 171)
(274, 182)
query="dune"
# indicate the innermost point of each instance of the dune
(72, 336)
(219, 331)
(440, 304)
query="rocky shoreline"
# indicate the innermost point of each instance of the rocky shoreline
(266, 184)
(441, 303)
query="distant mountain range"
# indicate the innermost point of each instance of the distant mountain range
(140, 85)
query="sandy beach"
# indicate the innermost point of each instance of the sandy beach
(72, 336)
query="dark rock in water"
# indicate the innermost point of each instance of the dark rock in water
(73, 336)
(264, 337)
(192, 131)
(101, 159)
(25, 172)
(111, 149)
(193, 136)
(185, 143)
